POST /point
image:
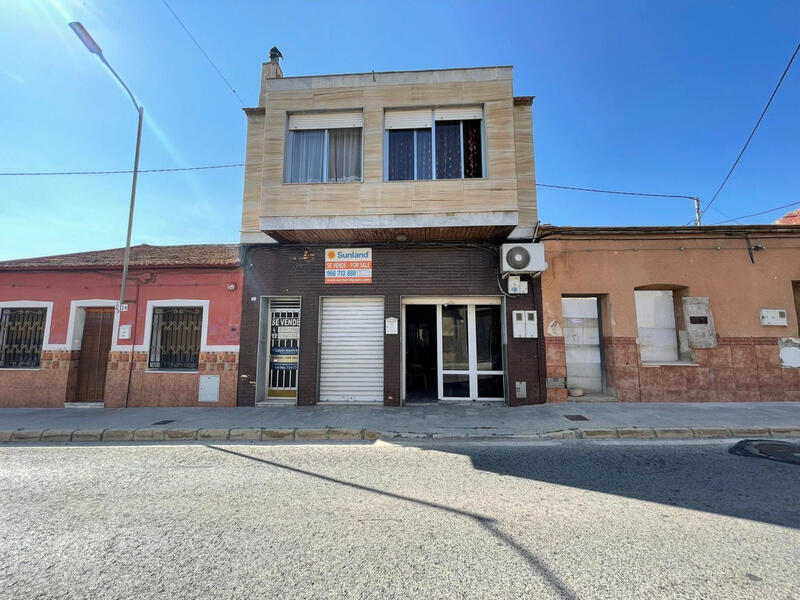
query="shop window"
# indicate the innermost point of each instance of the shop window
(444, 143)
(175, 338)
(21, 337)
(655, 317)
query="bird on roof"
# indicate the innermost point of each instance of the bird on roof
(275, 53)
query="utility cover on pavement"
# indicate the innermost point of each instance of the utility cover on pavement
(576, 417)
(771, 449)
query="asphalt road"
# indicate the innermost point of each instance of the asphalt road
(547, 520)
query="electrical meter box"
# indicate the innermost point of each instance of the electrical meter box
(773, 316)
(524, 324)
(516, 285)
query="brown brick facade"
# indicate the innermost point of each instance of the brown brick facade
(398, 271)
(739, 369)
(165, 388)
(52, 384)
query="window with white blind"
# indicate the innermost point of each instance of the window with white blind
(324, 147)
(441, 143)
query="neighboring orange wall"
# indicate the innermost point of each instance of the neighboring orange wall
(49, 386)
(746, 364)
(736, 287)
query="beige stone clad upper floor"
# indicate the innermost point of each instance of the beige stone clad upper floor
(416, 155)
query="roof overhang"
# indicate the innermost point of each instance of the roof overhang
(389, 228)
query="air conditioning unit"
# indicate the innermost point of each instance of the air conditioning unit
(522, 258)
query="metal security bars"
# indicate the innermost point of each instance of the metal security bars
(21, 337)
(284, 348)
(175, 339)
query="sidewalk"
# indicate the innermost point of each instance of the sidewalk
(342, 422)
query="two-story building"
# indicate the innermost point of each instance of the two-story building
(375, 209)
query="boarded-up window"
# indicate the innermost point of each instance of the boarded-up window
(21, 336)
(655, 316)
(175, 338)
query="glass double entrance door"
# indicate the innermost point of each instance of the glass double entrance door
(454, 351)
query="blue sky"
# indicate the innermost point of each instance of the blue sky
(641, 96)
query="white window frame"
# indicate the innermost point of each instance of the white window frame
(484, 174)
(46, 345)
(470, 302)
(77, 319)
(286, 163)
(176, 303)
(472, 357)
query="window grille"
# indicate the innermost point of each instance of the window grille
(175, 338)
(21, 336)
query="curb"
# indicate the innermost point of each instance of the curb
(336, 434)
(622, 433)
(153, 434)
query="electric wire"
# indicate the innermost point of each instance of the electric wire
(752, 133)
(199, 47)
(238, 165)
(763, 212)
(234, 165)
(122, 171)
(581, 189)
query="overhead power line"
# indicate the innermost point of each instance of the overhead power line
(237, 165)
(234, 165)
(47, 173)
(199, 47)
(580, 189)
(752, 133)
(763, 212)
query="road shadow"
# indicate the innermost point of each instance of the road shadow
(537, 566)
(699, 477)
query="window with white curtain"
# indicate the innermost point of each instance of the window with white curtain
(324, 147)
(442, 143)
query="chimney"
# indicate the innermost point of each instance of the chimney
(270, 70)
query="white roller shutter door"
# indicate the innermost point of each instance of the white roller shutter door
(408, 119)
(326, 120)
(351, 350)
(459, 113)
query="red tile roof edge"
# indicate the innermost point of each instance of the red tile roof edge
(142, 256)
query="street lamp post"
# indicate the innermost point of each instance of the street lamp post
(94, 48)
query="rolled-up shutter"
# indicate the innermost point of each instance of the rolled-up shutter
(408, 119)
(459, 113)
(351, 350)
(326, 120)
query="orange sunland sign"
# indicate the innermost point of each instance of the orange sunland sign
(348, 265)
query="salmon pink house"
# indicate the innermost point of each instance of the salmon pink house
(64, 337)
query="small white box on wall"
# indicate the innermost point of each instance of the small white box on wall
(124, 332)
(209, 388)
(391, 325)
(523, 324)
(516, 285)
(531, 329)
(773, 317)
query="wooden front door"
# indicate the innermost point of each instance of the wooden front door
(96, 344)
